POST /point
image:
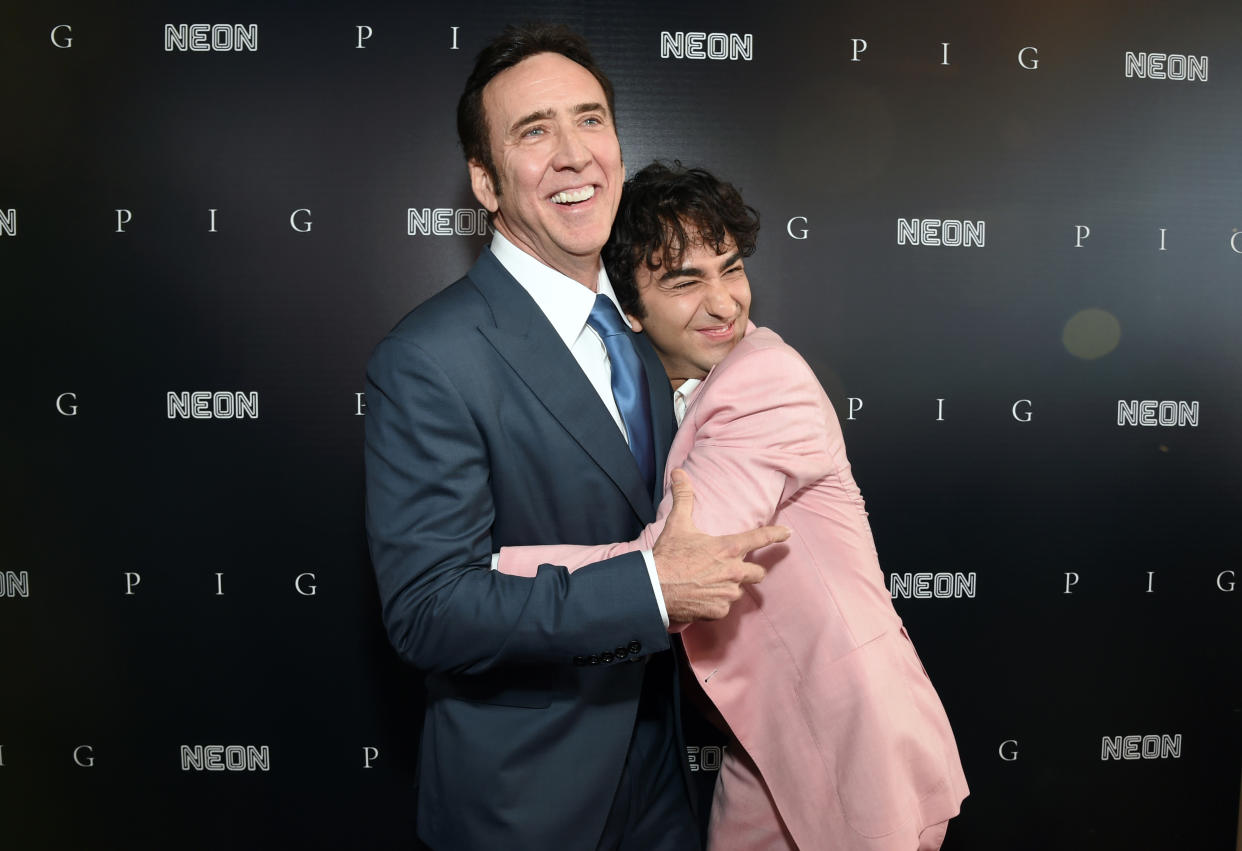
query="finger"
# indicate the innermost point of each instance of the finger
(745, 542)
(682, 512)
(774, 534)
(752, 573)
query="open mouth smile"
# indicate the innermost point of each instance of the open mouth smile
(574, 196)
(718, 332)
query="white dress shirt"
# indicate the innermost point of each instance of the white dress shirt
(681, 397)
(567, 305)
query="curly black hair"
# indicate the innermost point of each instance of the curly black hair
(666, 209)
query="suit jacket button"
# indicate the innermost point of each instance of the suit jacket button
(635, 647)
(606, 656)
(579, 660)
(594, 660)
(622, 652)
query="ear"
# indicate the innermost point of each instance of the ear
(481, 185)
(635, 322)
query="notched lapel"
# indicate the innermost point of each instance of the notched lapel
(663, 422)
(525, 339)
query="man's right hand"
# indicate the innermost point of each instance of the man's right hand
(702, 575)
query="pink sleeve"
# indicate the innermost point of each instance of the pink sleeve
(764, 430)
(525, 561)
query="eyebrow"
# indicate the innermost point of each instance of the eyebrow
(538, 115)
(545, 114)
(694, 271)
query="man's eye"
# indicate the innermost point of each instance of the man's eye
(534, 131)
(593, 121)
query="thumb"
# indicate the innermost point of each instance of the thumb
(682, 511)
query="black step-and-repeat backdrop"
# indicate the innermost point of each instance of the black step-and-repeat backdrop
(1008, 239)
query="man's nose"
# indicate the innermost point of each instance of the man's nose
(572, 151)
(719, 301)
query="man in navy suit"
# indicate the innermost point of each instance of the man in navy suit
(513, 408)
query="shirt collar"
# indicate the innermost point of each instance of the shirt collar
(565, 302)
(682, 396)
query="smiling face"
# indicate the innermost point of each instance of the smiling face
(696, 312)
(558, 163)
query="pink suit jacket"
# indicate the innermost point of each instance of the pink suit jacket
(812, 668)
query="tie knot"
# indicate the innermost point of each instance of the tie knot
(605, 318)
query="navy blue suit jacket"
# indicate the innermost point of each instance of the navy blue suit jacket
(483, 432)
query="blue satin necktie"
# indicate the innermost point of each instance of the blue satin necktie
(629, 383)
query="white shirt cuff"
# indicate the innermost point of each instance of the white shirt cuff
(655, 584)
(495, 561)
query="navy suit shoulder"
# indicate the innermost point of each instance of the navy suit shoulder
(444, 314)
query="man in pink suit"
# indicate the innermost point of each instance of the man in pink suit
(838, 739)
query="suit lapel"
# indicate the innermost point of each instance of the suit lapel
(525, 339)
(663, 422)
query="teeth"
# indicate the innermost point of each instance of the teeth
(574, 196)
